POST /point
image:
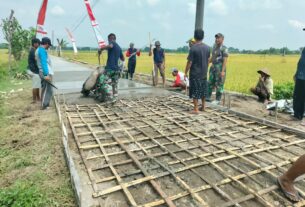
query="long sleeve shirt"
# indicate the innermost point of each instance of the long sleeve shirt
(43, 61)
(132, 53)
(300, 74)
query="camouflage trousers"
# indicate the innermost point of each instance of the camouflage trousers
(216, 81)
(107, 85)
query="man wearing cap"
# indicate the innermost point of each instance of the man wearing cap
(45, 71)
(112, 67)
(34, 70)
(159, 63)
(264, 87)
(218, 68)
(191, 42)
(132, 54)
(179, 79)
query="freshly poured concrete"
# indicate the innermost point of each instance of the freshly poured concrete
(69, 78)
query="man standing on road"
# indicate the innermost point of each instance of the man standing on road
(45, 71)
(218, 68)
(159, 63)
(132, 54)
(299, 88)
(32, 65)
(287, 179)
(112, 67)
(198, 61)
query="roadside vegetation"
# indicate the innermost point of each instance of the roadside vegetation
(32, 167)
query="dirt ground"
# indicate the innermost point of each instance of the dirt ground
(250, 105)
(31, 149)
(241, 103)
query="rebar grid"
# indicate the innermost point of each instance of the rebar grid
(213, 159)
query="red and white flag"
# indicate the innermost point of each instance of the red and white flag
(72, 40)
(41, 18)
(96, 29)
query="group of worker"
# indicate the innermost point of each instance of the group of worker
(195, 77)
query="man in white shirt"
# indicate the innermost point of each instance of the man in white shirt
(179, 79)
(264, 87)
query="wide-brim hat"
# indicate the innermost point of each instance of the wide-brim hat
(264, 71)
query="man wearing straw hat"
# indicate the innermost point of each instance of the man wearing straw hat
(264, 87)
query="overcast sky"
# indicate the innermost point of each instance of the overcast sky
(246, 24)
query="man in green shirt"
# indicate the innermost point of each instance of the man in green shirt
(218, 68)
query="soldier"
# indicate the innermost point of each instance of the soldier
(218, 68)
(112, 68)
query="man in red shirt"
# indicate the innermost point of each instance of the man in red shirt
(179, 79)
(131, 53)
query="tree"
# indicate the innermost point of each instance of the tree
(61, 44)
(19, 38)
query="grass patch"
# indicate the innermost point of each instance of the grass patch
(23, 194)
(283, 91)
(32, 167)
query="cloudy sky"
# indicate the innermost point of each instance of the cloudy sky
(246, 24)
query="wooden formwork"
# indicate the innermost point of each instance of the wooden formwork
(152, 152)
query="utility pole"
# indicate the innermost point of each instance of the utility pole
(52, 51)
(199, 14)
(10, 34)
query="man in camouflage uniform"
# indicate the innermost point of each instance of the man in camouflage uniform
(112, 69)
(218, 68)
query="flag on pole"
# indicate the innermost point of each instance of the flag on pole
(72, 40)
(101, 42)
(41, 18)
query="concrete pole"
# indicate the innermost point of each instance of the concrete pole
(199, 14)
(10, 34)
(52, 49)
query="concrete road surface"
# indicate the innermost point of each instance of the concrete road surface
(69, 78)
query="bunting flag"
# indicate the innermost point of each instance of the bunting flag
(41, 18)
(95, 26)
(72, 40)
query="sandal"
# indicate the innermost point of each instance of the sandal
(202, 109)
(194, 112)
(292, 197)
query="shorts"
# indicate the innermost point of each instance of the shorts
(36, 81)
(160, 67)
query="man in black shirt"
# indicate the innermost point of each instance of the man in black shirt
(197, 64)
(32, 66)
